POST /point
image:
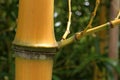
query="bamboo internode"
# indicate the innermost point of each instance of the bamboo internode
(33, 69)
(35, 24)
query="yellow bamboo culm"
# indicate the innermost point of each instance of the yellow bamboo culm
(101, 74)
(33, 69)
(34, 42)
(35, 24)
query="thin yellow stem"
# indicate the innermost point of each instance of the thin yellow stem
(92, 16)
(69, 21)
(118, 15)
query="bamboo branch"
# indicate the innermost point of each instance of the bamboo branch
(79, 35)
(92, 16)
(118, 15)
(69, 21)
(7, 30)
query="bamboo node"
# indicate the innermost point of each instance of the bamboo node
(28, 53)
(111, 25)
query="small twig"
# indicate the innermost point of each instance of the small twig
(3, 31)
(69, 21)
(92, 17)
(118, 15)
(8, 29)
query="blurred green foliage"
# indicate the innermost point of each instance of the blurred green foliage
(8, 15)
(73, 62)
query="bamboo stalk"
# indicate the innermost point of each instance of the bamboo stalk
(114, 35)
(35, 43)
(101, 74)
